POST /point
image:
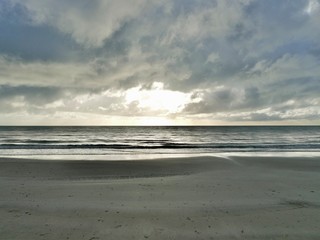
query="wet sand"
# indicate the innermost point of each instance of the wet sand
(183, 198)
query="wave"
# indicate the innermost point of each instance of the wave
(163, 145)
(31, 142)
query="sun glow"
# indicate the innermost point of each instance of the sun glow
(157, 99)
(155, 121)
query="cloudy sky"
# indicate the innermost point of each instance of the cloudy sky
(131, 62)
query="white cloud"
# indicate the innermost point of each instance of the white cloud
(213, 58)
(312, 7)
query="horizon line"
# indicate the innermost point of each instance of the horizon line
(182, 125)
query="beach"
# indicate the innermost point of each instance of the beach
(178, 198)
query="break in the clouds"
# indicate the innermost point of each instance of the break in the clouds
(159, 62)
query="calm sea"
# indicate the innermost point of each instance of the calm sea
(123, 142)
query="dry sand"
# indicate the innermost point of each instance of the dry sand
(190, 198)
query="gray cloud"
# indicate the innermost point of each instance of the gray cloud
(243, 60)
(31, 94)
(89, 23)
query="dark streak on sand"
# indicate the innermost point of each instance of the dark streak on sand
(86, 170)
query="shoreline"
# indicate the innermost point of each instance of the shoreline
(178, 198)
(152, 156)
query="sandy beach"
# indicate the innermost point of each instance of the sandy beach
(182, 198)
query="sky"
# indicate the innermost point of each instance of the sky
(159, 62)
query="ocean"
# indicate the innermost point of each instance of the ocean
(143, 142)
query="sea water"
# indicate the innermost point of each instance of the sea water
(143, 142)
